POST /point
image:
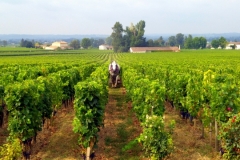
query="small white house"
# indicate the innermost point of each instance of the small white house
(105, 47)
(230, 44)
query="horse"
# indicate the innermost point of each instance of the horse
(114, 71)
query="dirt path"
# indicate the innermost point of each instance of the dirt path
(58, 142)
(188, 144)
(120, 127)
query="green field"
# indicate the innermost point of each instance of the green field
(201, 83)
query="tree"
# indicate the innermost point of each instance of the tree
(117, 37)
(137, 39)
(196, 43)
(156, 43)
(97, 42)
(27, 44)
(37, 45)
(202, 42)
(161, 41)
(172, 41)
(100, 42)
(188, 43)
(233, 46)
(22, 43)
(150, 43)
(222, 42)
(215, 43)
(75, 44)
(132, 36)
(4, 43)
(180, 39)
(85, 43)
(108, 40)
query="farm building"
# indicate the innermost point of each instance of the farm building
(58, 44)
(105, 47)
(152, 49)
(230, 44)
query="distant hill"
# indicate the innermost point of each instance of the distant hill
(51, 38)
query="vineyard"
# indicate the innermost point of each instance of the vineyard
(202, 86)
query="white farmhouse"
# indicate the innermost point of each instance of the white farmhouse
(105, 47)
(230, 44)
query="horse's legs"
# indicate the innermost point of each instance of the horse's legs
(113, 78)
(116, 79)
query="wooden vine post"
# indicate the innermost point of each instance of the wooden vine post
(210, 132)
(88, 153)
(216, 135)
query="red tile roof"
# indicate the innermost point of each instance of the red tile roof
(236, 43)
(147, 49)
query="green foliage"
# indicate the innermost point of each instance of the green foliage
(22, 101)
(89, 104)
(148, 99)
(156, 142)
(180, 39)
(117, 37)
(229, 134)
(108, 40)
(11, 150)
(85, 43)
(194, 93)
(221, 42)
(172, 41)
(133, 36)
(195, 43)
(215, 43)
(188, 43)
(75, 44)
(171, 126)
(130, 145)
(27, 44)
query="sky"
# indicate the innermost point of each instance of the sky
(84, 17)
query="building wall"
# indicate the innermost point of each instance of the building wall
(57, 44)
(49, 48)
(102, 47)
(60, 44)
(105, 47)
(230, 44)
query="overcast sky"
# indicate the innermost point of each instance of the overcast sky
(99, 16)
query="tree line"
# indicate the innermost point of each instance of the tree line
(75, 43)
(3, 43)
(86, 43)
(133, 36)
